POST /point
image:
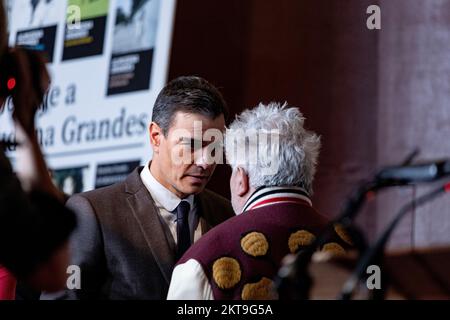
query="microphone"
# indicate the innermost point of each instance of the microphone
(388, 177)
(414, 173)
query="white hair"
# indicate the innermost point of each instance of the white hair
(295, 148)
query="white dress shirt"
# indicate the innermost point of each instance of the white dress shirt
(166, 202)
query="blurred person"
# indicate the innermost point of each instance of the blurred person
(34, 224)
(275, 217)
(131, 234)
(8, 285)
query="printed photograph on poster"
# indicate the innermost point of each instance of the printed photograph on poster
(88, 37)
(133, 45)
(71, 180)
(108, 174)
(35, 23)
(82, 126)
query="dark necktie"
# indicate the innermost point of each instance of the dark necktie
(183, 233)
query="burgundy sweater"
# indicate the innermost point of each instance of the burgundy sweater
(253, 245)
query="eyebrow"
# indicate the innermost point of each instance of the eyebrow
(186, 140)
(192, 141)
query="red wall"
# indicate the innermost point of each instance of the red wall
(371, 95)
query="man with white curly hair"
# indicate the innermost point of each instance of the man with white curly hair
(274, 160)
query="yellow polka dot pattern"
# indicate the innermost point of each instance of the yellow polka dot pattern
(334, 248)
(262, 290)
(255, 244)
(226, 272)
(343, 234)
(299, 239)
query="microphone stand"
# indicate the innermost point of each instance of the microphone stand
(375, 254)
(293, 280)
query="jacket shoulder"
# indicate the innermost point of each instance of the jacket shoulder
(101, 201)
(102, 193)
(111, 194)
(215, 208)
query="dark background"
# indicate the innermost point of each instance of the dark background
(373, 95)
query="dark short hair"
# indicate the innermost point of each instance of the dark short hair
(188, 94)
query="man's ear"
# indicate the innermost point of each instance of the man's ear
(243, 182)
(156, 135)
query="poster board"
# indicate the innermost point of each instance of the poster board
(108, 60)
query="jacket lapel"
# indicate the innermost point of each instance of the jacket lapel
(146, 214)
(203, 212)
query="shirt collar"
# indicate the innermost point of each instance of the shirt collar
(161, 195)
(270, 195)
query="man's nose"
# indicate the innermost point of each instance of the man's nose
(202, 159)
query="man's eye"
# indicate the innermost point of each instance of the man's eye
(194, 145)
(189, 144)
